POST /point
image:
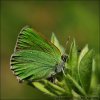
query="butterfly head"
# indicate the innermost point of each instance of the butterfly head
(64, 57)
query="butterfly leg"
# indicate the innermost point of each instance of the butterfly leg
(52, 79)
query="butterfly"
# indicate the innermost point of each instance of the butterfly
(35, 57)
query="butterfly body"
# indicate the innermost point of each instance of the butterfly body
(34, 57)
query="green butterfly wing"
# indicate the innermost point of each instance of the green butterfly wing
(34, 57)
(29, 39)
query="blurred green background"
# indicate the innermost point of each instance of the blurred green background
(78, 19)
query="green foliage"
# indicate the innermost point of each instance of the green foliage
(85, 70)
(77, 77)
(73, 58)
(55, 41)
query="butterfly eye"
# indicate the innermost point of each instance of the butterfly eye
(64, 57)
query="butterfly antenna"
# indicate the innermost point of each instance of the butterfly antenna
(68, 39)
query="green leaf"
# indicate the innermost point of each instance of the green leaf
(85, 70)
(42, 88)
(55, 89)
(55, 41)
(50, 88)
(73, 82)
(73, 58)
(83, 52)
(96, 91)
